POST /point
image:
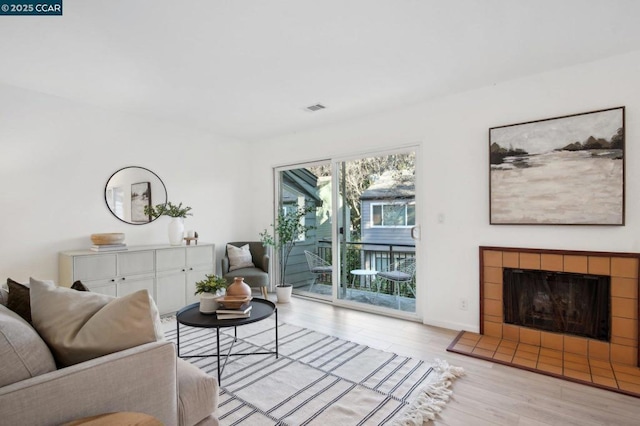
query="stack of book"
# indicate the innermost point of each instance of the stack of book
(243, 311)
(109, 247)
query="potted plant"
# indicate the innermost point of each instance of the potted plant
(287, 230)
(177, 214)
(209, 289)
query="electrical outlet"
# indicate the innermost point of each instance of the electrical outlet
(464, 304)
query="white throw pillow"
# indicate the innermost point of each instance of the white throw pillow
(79, 326)
(239, 257)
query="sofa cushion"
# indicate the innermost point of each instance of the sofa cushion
(23, 353)
(197, 393)
(239, 257)
(81, 325)
(18, 300)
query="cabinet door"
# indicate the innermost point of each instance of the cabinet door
(194, 275)
(170, 291)
(95, 267)
(102, 288)
(136, 263)
(199, 255)
(128, 285)
(171, 259)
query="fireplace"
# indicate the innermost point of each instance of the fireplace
(560, 302)
(613, 337)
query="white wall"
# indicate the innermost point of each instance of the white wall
(56, 157)
(454, 167)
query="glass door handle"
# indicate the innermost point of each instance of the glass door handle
(415, 232)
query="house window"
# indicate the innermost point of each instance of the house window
(393, 214)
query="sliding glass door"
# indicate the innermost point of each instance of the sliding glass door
(360, 246)
(377, 251)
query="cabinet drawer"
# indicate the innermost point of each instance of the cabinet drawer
(170, 259)
(136, 262)
(199, 255)
(95, 267)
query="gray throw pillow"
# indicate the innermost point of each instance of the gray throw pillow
(239, 257)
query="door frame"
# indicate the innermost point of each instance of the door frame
(420, 209)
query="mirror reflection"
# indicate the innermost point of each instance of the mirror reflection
(129, 190)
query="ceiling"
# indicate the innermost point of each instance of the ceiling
(248, 69)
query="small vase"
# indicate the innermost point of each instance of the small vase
(176, 231)
(208, 303)
(238, 288)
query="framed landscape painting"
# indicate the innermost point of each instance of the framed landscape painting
(559, 171)
(140, 198)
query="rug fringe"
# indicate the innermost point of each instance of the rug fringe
(432, 398)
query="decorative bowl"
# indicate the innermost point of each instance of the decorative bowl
(108, 238)
(234, 302)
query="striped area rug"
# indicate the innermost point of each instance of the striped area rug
(317, 379)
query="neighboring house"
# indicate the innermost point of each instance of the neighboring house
(388, 214)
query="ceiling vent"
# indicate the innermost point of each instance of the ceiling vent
(314, 108)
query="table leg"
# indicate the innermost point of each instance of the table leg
(218, 352)
(276, 332)
(178, 336)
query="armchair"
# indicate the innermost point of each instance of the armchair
(256, 276)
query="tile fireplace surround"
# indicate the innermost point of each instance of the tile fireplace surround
(612, 365)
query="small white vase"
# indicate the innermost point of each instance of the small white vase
(176, 231)
(208, 303)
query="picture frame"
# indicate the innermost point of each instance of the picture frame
(566, 170)
(140, 198)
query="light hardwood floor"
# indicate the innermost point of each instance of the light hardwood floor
(489, 393)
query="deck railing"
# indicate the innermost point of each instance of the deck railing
(370, 256)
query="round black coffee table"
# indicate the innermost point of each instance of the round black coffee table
(190, 316)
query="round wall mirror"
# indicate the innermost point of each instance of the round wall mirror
(129, 190)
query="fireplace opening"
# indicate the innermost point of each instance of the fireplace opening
(560, 302)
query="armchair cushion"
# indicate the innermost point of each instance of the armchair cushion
(239, 257)
(80, 325)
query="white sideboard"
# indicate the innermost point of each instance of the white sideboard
(169, 273)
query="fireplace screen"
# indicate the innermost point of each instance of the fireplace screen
(560, 302)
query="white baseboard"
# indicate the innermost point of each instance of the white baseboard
(474, 328)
